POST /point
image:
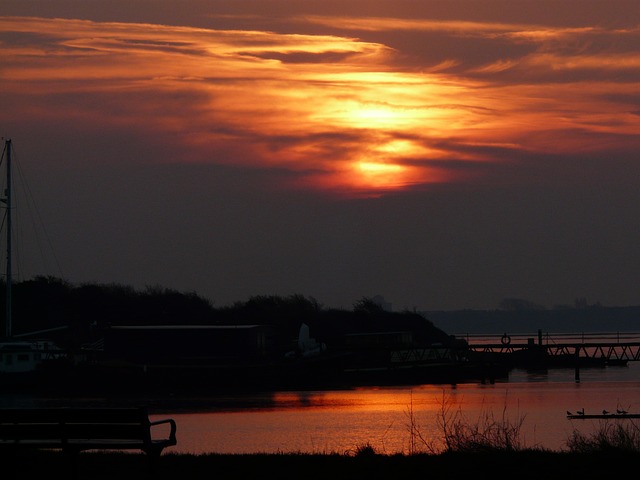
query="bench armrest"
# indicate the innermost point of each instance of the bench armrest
(172, 423)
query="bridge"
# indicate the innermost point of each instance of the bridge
(609, 347)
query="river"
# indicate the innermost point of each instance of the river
(390, 419)
(340, 421)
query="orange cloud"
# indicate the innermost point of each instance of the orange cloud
(340, 113)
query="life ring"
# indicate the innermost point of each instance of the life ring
(506, 339)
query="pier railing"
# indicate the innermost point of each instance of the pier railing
(609, 346)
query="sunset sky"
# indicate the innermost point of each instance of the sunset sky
(442, 154)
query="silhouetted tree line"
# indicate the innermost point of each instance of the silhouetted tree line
(74, 315)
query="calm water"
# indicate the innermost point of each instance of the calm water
(340, 421)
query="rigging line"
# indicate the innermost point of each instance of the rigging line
(4, 151)
(32, 207)
(2, 227)
(3, 200)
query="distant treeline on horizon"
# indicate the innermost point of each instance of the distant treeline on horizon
(47, 302)
(73, 315)
(518, 316)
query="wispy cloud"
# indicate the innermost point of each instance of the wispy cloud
(340, 112)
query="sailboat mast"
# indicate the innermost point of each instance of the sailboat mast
(7, 201)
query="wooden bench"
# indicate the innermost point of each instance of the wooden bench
(73, 430)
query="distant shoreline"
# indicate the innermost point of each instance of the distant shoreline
(593, 318)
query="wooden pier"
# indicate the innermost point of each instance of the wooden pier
(607, 348)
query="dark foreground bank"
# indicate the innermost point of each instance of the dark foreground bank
(540, 465)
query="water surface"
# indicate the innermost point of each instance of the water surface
(343, 420)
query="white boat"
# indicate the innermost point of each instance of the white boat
(20, 356)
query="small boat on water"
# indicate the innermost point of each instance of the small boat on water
(580, 415)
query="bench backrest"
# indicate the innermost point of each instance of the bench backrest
(75, 423)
